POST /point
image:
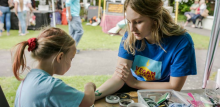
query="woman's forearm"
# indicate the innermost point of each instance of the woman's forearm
(175, 83)
(109, 87)
(153, 85)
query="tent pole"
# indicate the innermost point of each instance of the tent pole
(213, 44)
(99, 8)
(177, 6)
(53, 10)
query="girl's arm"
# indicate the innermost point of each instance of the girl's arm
(89, 95)
(114, 83)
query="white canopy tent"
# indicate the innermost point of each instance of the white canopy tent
(213, 45)
(53, 10)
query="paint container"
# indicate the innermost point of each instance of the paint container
(123, 96)
(112, 99)
(125, 102)
(136, 105)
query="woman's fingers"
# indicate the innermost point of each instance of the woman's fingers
(119, 73)
(122, 71)
(123, 67)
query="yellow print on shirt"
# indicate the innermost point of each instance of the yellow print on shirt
(143, 71)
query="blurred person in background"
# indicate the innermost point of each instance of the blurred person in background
(192, 13)
(5, 6)
(1, 24)
(200, 11)
(21, 8)
(27, 10)
(74, 20)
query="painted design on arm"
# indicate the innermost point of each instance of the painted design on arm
(97, 93)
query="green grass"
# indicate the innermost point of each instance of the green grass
(92, 39)
(200, 41)
(10, 84)
(181, 17)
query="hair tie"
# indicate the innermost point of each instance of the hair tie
(32, 44)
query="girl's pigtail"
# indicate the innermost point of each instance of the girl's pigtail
(19, 59)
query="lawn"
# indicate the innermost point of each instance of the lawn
(93, 39)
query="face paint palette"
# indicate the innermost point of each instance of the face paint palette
(112, 99)
(123, 96)
(125, 102)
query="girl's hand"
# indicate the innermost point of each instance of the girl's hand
(0, 13)
(125, 74)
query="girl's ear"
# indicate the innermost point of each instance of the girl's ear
(59, 57)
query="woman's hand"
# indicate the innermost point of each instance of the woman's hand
(125, 74)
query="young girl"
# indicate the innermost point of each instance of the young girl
(155, 53)
(54, 50)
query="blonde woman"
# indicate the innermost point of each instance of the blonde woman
(155, 53)
(19, 6)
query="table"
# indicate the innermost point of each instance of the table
(103, 103)
(42, 20)
(110, 20)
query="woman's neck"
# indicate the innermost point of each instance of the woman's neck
(150, 40)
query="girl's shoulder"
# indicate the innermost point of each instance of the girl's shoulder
(41, 77)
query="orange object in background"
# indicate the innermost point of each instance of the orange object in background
(64, 19)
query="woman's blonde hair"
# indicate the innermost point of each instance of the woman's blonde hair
(163, 26)
(51, 41)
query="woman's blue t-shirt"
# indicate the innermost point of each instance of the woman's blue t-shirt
(40, 89)
(154, 64)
